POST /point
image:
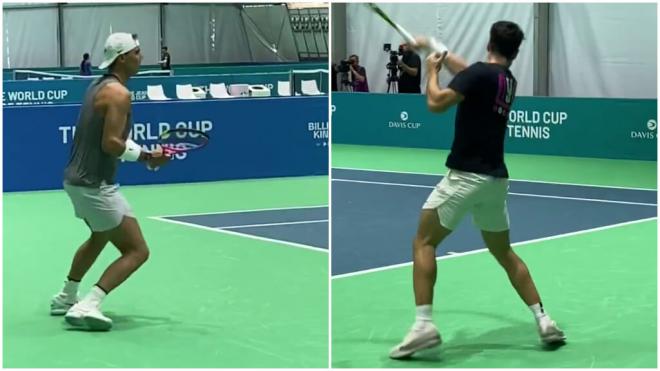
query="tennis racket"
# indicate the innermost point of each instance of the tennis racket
(182, 140)
(407, 36)
(402, 31)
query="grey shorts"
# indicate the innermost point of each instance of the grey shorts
(102, 208)
(460, 192)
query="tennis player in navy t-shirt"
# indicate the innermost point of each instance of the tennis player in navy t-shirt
(477, 180)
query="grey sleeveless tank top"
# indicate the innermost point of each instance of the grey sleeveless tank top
(88, 165)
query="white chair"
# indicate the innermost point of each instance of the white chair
(309, 87)
(239, 90)
(155, 92)
(259, 90)
(199, 91)
(185, 91)
(283, 89)
(219, 91)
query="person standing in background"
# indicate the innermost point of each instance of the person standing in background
(359, 73)
(411, 70)
(165, 59)
(86, 66)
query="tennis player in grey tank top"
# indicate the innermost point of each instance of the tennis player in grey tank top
(89, 165)
(100, 141)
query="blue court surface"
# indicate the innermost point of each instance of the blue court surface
(375, 215)
(305, 227)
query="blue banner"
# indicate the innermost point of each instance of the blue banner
(250, 138)
(581, 127)
(26, 92)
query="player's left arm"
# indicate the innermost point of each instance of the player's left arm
(438, 99)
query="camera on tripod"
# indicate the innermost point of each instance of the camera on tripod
(392, 67)
(343, 66)
(394, 56)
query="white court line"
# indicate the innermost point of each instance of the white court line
(522, 243)
(245, 211)
(511, 179)
(382, 183)
(294, 244)
(271, 224)
(511, 193)
(584, 199)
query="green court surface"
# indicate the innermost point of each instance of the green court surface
(600, 286)
(592, 171)
(204, 299)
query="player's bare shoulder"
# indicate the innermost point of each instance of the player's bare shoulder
(113, 94)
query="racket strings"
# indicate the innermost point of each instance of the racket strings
(182, 140)
(181, 145)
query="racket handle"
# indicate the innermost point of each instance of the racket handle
(168, 151)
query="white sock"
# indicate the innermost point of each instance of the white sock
(537, 310)
(95, 296)
(70, 288)
(424, 313)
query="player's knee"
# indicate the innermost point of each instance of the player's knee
(504, 256)
(138, 253)
(417, 242)
(421, 242)
(142, 254)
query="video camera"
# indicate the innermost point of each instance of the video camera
(343, 66)
(394, 55)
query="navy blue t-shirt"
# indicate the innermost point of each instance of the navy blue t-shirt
(481, 119)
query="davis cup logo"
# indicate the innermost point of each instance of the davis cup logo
(404, 123)
(652, 125)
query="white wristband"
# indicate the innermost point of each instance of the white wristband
(132, 151)
(437, 46)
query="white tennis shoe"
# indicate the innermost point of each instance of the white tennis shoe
(549, 332)
(61, 303)
(86, 316)
(420, 337)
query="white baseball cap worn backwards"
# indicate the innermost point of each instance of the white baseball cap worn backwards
(116, 45)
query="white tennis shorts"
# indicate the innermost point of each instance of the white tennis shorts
(102, 208)
(460, 192)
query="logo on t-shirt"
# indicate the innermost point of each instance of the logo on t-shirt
(506, 88)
